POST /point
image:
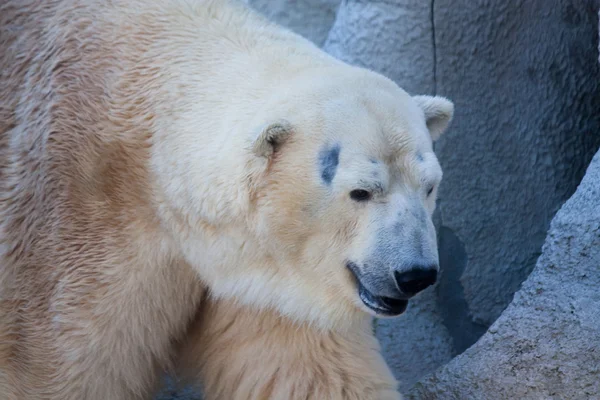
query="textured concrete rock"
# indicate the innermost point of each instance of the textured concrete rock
(525, 81)
(417, 343)
(546, 345)
(393, 37)
(310, 18)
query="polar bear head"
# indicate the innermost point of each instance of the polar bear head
(351, 188)
(329, 198)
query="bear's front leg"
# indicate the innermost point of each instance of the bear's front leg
(236, 353)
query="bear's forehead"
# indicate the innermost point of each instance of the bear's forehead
(382, 131)
(361, 107)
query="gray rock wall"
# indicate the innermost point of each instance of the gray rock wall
(546, 345)
(393, 37)
(524, 78)
(309, 18)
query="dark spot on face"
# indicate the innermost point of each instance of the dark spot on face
(420, 157)
(373, 161)
(329, 159)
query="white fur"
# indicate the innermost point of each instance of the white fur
(206, 165)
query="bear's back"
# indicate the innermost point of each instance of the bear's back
(81, 254)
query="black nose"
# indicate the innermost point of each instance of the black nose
(415, 280)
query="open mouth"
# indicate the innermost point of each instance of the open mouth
(385, 306)
(381, 305)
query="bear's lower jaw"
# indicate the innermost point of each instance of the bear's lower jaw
(383, 306)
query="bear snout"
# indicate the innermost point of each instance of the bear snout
(416, 279)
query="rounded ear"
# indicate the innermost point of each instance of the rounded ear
(271, 137)
(438, 113)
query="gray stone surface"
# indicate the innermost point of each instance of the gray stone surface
(310, 18)
(546, 345)
(393, 37)
(524, 78)
(416, 343)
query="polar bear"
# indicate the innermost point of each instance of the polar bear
(185, 186)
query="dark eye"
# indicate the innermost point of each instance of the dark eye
(429, 191)
(360, 195)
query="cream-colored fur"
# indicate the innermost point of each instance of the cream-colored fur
(150, 150)
(243, 354)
